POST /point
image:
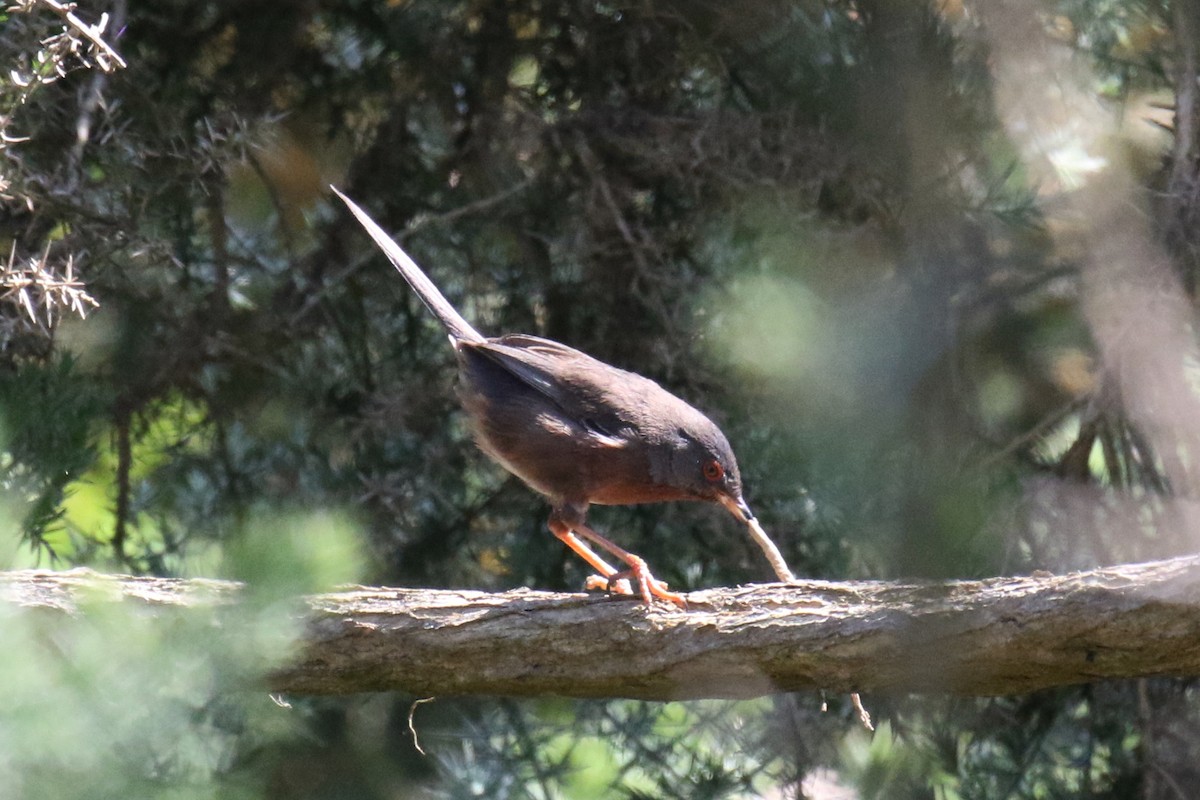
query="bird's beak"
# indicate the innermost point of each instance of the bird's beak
(737, 506)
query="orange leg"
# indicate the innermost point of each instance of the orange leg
(647, 584)
(608, 578)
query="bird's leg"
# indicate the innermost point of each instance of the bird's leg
(608, 577)
(566, 522)
(638, 570)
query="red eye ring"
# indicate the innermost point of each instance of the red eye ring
(713, 470)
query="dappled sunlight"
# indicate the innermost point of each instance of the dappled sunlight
(930, 267)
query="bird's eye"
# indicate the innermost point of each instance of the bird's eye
(713, 470)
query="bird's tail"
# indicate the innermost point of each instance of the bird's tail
(456, 326)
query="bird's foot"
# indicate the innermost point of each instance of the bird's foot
(648, 585)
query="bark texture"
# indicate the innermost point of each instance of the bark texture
(995, 636)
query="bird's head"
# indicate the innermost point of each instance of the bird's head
(702, 464)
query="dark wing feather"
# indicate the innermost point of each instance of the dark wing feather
(578, 385)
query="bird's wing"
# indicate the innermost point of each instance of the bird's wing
(573, 381)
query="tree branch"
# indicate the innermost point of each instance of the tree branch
(996, 636)
(108, 58)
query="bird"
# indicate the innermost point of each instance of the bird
(581, 432)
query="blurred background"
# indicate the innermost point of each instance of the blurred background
(932, 266)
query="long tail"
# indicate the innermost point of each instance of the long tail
(456, 326)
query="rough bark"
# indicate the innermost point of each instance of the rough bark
(995, 636)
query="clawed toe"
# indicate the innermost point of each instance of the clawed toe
(609, 579)
(659, 590)
(648, 586)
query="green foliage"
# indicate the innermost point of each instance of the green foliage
(280, 557)
(49, 417)
(133, 705)
(122, 701)
(613, 749)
